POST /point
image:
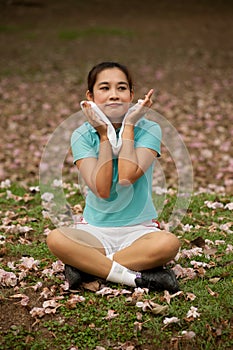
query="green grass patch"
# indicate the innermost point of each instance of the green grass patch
(5, 29)
(85, 325)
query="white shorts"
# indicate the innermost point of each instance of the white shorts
(112, 239)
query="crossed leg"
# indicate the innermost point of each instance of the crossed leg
(151, 250)
(88, 255)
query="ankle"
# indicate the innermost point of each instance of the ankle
(120, 274)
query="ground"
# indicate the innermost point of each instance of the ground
(184, 50)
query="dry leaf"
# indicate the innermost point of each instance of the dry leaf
(215, 332)
(138, 326)
(201, 271)
(92, 286)
(190, 296)
(167, 296)
(160, 309)
(214, 280)
(131, 301)
(210, 251)
(139, 316)
(212, 293)
(198, 242)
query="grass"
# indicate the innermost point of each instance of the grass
(84, 325)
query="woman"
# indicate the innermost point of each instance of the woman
(118, 240)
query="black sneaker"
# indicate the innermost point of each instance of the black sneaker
(75, 277)
(158, 279)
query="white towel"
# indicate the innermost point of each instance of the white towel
(111, 132)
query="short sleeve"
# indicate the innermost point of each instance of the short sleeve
(84, 143)
(148, 134)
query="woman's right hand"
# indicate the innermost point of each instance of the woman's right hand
(94, 120)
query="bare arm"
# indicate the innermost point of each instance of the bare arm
(133, 163)
(97, 172)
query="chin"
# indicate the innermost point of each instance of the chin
(115, 118)
(116, 121)
(115, 115)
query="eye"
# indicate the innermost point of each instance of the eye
(104, 88)
(122, 88)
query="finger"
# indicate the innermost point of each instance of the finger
(86, 108)
(90, 115)
(149, 94)
(93, 119)
(148, 101)
(86, 104)
(148, 97)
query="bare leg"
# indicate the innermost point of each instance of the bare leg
(81, 255)
(151, 250)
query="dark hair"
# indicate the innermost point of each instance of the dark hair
(92, 76)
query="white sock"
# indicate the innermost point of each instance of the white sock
(120, 274)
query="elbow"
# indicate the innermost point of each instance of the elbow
(103, 193)
(126, 181)
(128, 176)
(101, 189)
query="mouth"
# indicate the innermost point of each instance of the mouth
(114, 105)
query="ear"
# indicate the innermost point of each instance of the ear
(89, 96)
(131, 95)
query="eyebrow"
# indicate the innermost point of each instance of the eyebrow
(119, 83)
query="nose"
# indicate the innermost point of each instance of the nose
(113, 94)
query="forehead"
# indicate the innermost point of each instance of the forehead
(111, 75)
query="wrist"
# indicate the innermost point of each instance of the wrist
(103, 138)
(129, 123)
(128, 131)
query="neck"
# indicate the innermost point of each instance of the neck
(117, 125)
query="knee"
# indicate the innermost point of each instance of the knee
(53, 240)
(172, 244)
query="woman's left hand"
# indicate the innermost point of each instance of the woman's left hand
(133, 117)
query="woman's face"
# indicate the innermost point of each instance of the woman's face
(111, 93)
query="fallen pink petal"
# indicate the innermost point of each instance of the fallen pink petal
(193, 312)
(37, 312)
(111, 314)
(7, 279)
(170, 320)
(229, 206)
(28, 263)
(188, 334)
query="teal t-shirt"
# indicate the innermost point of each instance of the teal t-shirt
(126, 205)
